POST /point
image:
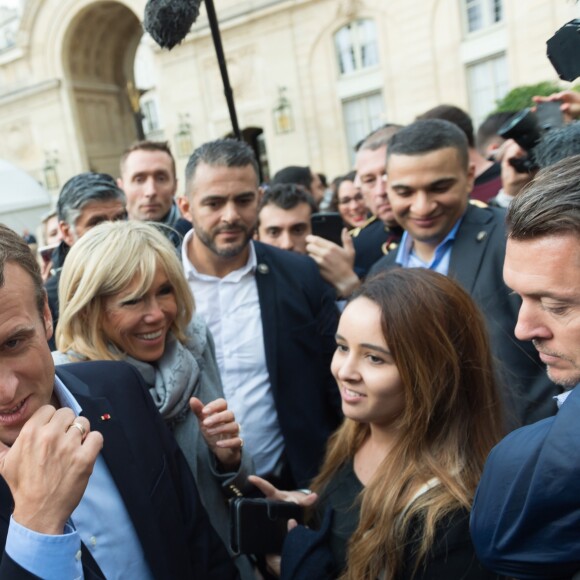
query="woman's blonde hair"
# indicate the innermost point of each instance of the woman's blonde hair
(450, 421)
(104, 262)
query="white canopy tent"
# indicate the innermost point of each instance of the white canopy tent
(23, 201)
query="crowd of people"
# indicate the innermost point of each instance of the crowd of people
(162, 356)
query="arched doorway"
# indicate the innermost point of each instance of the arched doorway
(99, 52)
(254, 137)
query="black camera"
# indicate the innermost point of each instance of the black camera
(564, 50)
(527, 128)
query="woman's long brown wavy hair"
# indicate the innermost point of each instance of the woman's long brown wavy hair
(451, 418)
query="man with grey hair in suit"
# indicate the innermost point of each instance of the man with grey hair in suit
(430, 179)
(86, 200)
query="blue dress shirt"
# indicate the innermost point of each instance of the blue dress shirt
(100, 520)
(407, 258)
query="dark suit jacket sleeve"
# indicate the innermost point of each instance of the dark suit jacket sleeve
(526, 514)
(208, 555)
(207, 552)
(326, 314)
(151, 475)
(385, 263)
(327, 322)
(150, 472)
(299, 320)
(322, 305)
(9, 570)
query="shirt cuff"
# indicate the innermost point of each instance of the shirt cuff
(51, 557)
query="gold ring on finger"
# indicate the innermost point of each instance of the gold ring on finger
(78, 426)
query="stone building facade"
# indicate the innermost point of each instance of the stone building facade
(310, 77)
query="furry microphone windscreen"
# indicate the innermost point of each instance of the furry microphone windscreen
(169, 21)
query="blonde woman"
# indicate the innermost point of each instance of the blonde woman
(123, 296)
(415, 374)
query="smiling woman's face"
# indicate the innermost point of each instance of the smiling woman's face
(139, 326)
(351, 204)
(368, 379)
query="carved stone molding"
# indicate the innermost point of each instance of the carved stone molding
(349, 9)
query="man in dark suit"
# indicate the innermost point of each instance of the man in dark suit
(272, 317)
(430, 179)
(526, 515)
(85, 201)
(91, 480)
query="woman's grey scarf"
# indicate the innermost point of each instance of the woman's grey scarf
(175, 377)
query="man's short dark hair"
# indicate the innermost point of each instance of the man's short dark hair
(422, 137)
(14, 250)
(287, 196)
(558, 144)
(454, 115)
(294, 174)
(221, 153)
(549, 205)
(83, 189)
(487, 131)
(147, 145)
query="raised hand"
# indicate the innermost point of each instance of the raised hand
(271, 492)
(220, 431)
(570, 103)
(48, 468)
(513, 181)
(335, 262)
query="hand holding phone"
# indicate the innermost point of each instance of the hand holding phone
(46, 252)
(328, 225)
(259, 526)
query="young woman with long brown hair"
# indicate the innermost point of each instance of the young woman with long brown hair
(422, 412)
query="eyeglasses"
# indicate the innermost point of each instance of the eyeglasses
(347, 200)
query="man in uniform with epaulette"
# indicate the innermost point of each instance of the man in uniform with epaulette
(344, 267)
(430, 179)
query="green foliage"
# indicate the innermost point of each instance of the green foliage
(521, 97)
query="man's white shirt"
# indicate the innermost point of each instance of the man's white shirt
(230, 307)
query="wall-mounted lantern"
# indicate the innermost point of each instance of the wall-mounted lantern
(135, 95)
(282, 112)
(183, 137)
(51, 181)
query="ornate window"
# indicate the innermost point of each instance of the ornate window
(356, 46)
(150, 111)
(9, 21)
(487, 81)
(362, 115)
(480, 14)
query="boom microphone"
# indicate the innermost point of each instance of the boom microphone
(169, 21)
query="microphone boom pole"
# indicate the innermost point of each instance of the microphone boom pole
(217, 42)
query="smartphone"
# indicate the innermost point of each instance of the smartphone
(259, 526)
(549, 115)
(328, 225)
(45, 252)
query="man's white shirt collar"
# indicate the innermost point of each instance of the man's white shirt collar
(192, 273)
